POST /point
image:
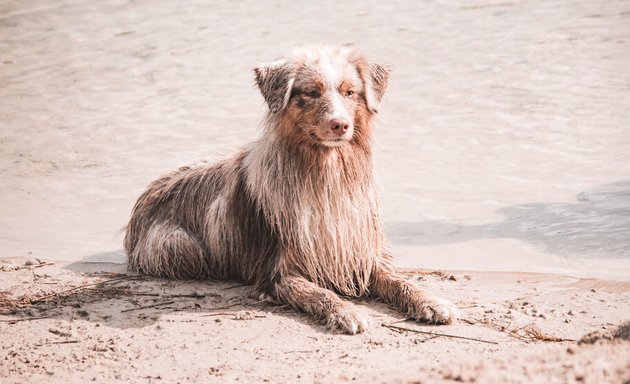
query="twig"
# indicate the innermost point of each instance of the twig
(191, 295)
(438, 334)
(41, 265)
(13, 321)
(218, 314)
(235, 286)
(148, 306)
(55, 294)
(526, 333)
(65, 342)
(224, 307)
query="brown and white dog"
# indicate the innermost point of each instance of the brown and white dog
(296, 212)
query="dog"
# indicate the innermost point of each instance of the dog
(295, 213)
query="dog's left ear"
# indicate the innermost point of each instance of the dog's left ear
(375, 79)
(275, 80)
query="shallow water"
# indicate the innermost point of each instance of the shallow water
(503, 143)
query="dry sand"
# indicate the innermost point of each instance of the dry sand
(153, 330)
(503, 145)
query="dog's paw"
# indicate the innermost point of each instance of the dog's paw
(435, 310)
(348, 321)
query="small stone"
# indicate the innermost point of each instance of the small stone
(571, 313)
(30, 262)
(571, 349)
(83, 313)
(452, 278)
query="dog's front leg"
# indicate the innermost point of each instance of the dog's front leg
(414, 302)
(322, 303)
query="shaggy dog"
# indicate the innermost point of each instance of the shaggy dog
(296, 212)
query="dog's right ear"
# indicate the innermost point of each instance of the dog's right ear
(275, 80)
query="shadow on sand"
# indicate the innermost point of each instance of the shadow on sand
(112, 297)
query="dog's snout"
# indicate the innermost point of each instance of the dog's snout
(339, 126)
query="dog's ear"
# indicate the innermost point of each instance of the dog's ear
(275, 80)
(375, 79)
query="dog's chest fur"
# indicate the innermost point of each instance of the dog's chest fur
(325, 213)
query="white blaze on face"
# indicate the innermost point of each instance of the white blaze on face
(334, 70)
(332, 76)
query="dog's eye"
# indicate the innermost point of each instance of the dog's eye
(349, 93)
(312, 94)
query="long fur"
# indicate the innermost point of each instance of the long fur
(293, 216)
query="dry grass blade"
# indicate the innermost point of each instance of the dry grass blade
(148, 306)
(435, 334)
(224, 307)
(65, 342)
(13, 321)
(527, 333)
(64, 292)
(535, 333)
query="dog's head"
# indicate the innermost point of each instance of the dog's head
(322, 95)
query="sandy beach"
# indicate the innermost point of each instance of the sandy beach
(502, 152)
(61, 326)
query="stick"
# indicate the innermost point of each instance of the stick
(191, 295)
(148, 306)
(41, 265)
(65, 342)
(224, 307)
(438, 334)
(13, 321)
(235, 286)
(219, 314)
(54, 294)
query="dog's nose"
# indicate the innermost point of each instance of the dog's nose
(339, 126)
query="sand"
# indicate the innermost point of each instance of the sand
(502, 149)
(154, 330)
